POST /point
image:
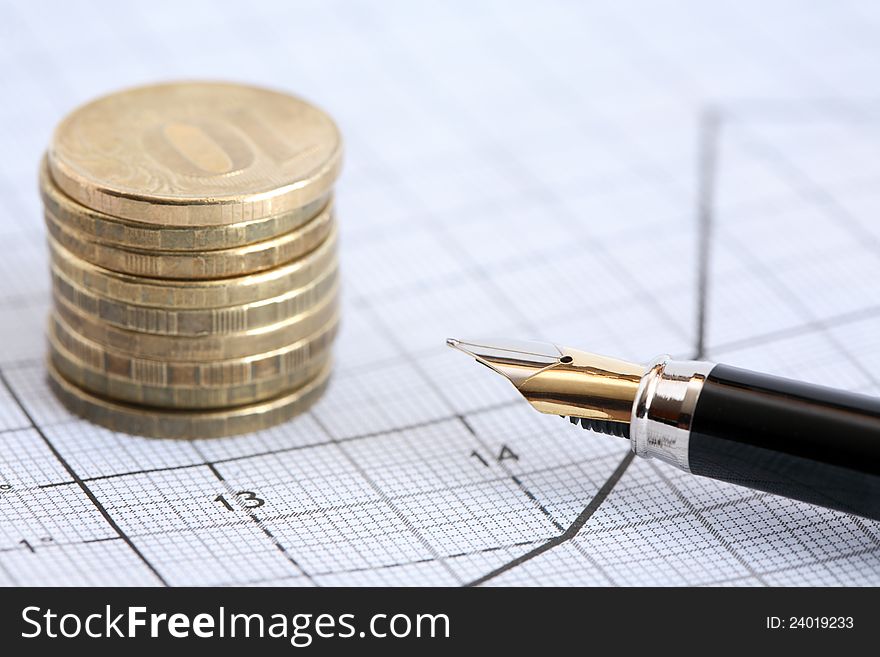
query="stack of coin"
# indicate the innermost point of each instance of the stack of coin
(193, 247)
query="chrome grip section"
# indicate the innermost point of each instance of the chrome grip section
(664, 407)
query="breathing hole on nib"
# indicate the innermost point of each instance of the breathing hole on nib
(566, 359)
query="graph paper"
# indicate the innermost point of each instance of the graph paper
(693, 178)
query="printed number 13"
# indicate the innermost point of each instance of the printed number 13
(249, 500)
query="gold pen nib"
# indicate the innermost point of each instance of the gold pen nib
(560, 380)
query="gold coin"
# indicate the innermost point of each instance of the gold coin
(193, 321)
(224, 263)
(155, 237)
(195, 154)
(189, 374)
(199, 294)
(186, 424)
(185, 397)
(203, 347)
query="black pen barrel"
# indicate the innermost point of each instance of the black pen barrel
(803, 441)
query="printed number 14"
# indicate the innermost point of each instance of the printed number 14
(504, 454)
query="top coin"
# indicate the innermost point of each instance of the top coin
(195, 154)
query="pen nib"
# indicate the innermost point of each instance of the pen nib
(516, 360)
(562, 381)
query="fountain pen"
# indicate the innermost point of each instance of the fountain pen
(785, 437)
